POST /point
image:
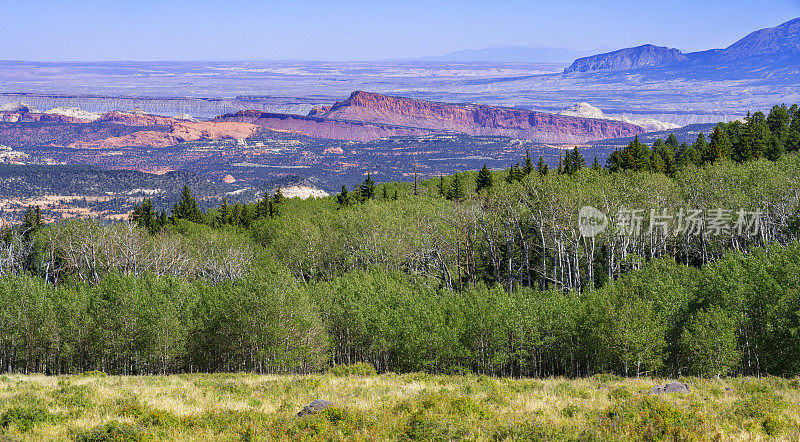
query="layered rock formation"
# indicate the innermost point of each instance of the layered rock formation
(323, 127)
(60, 134)
(30, 117)
(178, 133)
(476, 119)
(136, 119)
(362, 117)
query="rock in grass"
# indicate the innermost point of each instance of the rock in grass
(314, 407)
(672, 387)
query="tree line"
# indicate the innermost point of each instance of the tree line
(735, 316)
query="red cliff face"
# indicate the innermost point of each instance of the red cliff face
(131, 119)
(318, 110)
(179, 133)
(476, 119)
(321, 127)
(362, 117)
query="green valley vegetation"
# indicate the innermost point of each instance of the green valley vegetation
(694, 272)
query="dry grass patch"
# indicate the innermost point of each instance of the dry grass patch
(393, 407)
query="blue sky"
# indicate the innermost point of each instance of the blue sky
(363, 30)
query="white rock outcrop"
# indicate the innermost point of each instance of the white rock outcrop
(74, 112)
(586, 110)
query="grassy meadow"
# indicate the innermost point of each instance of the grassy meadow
(95, 407)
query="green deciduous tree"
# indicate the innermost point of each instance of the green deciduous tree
(709, 342)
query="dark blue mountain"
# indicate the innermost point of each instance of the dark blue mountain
(766, 53)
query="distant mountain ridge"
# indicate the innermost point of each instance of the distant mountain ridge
(781, 40)
(628, 59)
(765, 52)
(516, 54)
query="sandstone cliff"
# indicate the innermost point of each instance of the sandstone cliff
(322, 127)
(136, 119)
(178, 133)
(476, 119)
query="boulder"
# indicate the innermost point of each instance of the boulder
(314, 407)
(672, 387)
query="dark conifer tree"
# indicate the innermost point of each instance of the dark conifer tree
(456, 189)
(236, 215)
(719, 146)
(187, 207)
(484, 179)
(262, 208)
(575, 161)
(224, 212)
(596, 165)
(343, 198)
(778, 122)
(278, 198)
(527, 166)
(672, 141)
(367, 189)
(541, 166)
(144, 216)
(614, 161)
(247, 216)
(441, 186)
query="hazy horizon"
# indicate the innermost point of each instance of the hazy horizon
(355, 30)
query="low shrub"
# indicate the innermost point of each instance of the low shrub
(25, 417)
(92, 374)
(77, 398)
(112, 432)
(331, 424)
(772, 426)
(605, 378)
(758, 405)
(651, 418)
(359, 369)
(570, 411)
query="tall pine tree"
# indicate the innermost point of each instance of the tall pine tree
(187, 208)
(541, 166)
(456, 189)
(484, 180)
